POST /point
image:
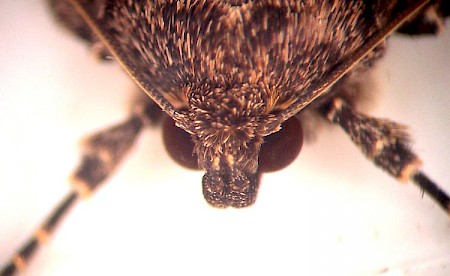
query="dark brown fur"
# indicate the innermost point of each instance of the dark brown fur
(229, 72)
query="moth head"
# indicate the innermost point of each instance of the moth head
(234, 140)
(231, 164)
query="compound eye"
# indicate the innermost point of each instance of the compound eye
(281, 148)
(179, 144)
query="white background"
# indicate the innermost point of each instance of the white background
(330, 212)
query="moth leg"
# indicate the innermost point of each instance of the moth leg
(64, 12)
(430, 20)
(22, 257)
(102, 152)
(386, 143)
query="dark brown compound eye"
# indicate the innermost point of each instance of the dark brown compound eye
(281, 148)
(179, 144)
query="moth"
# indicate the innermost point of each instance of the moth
(236, 76)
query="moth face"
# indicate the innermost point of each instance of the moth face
(232, 138)
(233, 163)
